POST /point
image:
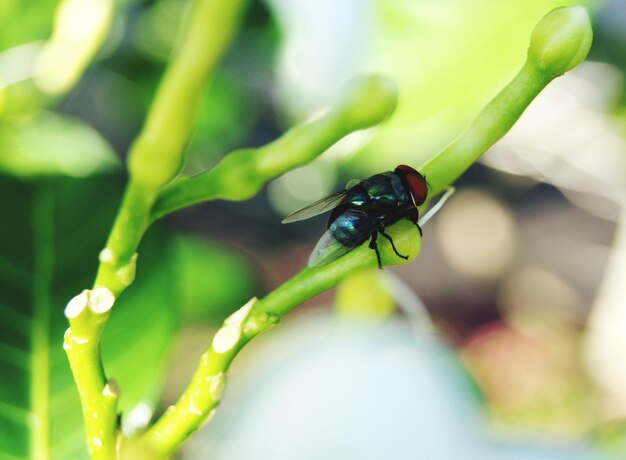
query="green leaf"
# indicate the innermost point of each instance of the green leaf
(210, 281)
(51, 235)
(21, 23)
(51, 144)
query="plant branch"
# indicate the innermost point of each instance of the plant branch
(203, 394)
(559, 42)
(241, 174)
(154, 159)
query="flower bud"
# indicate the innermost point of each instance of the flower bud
(561, 40)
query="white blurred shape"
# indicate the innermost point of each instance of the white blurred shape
(533, 293)
(137, 418)
(477, 234)
(322, 50)
(322, 389)
(566, 138)
(606, 334)
(16, 64)
(302, 186)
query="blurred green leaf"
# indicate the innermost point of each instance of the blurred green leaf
(49, 242)
(611, 437)
(21, 21)
(157, 29)
(51, 144)
(211, 282)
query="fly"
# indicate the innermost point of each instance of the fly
(363, 212)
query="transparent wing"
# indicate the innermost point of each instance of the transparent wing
(319, 207)
(328, 248)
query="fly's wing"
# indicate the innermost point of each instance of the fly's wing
(319, 207)
(328, 248)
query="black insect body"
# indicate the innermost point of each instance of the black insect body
(364, 211)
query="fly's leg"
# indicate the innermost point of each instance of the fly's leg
(413, 216)
(382, 232)
(374, 246)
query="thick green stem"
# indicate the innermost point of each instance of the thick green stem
(156, 156)
(98, 397)
(242, 173)
(195, 406)
(559, 42)
(494, 121)
(154, 159)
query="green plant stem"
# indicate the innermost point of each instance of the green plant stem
(157, 154)
(494, 121)
(559, 42)
(242, 173)
(155, 158)
(98, 397)
(562, 32)
(196, 404)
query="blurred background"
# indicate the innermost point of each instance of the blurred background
(503, 339)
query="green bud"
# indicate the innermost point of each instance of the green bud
(369, 101)
(561, 40)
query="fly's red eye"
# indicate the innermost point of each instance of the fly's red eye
(416, 183)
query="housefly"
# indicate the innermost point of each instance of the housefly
(363, 211)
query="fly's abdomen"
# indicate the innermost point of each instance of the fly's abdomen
(351, 228)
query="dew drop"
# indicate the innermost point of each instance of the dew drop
(170, 410)
(137, 418)
(241, 314)
(217, 386)
(112, 389)
(193, 409)
(77, 304)
(79, 340)
(226, 338)
(229, 334)
(101, 300)
(126, 273)
(106, 255)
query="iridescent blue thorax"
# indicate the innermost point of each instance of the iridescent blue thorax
(381, 197)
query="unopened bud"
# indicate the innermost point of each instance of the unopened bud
(561, 40)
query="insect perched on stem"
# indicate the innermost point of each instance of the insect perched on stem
(364, 211)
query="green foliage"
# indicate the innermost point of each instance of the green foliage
(21, 23)
(209, 280)
(57, 228)
(51, 144)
